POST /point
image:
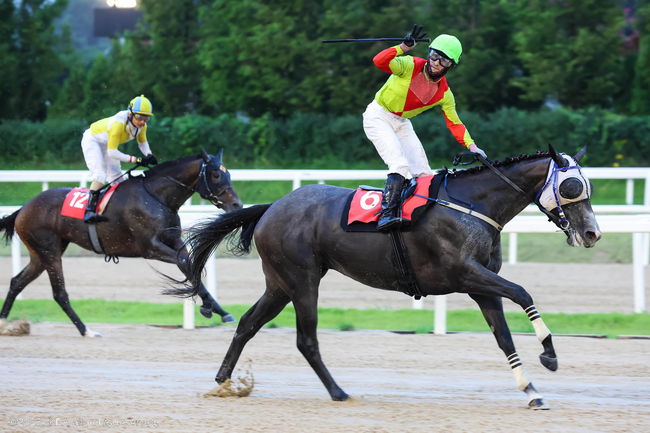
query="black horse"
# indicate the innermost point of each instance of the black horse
(142, 221)
(299, 238)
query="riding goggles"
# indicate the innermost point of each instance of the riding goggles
(444, 61)
(141, 118)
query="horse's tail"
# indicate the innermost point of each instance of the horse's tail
(7, 224)
(204, 238)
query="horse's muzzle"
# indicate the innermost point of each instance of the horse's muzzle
(228, 200)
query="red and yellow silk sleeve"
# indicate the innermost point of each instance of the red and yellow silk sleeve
(452, 120)
(386, 60)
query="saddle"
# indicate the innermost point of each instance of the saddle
(363, 206)
(74, 204)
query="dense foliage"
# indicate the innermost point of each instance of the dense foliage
(253, 75)
(331, 141)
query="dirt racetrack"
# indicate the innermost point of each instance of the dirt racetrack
(146, 379)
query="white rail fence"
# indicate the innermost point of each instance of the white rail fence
(626, 218)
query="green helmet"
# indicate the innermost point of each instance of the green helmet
(449, 46)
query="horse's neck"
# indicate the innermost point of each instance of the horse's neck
(499, 199)
(173, 189)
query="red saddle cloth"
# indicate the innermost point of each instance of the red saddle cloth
(74, 205)
(366, 205)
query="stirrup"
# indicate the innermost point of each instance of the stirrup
(389, 222)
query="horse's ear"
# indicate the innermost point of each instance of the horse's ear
(559, 160)
(205, 155)
(219, 156)
(581, 153)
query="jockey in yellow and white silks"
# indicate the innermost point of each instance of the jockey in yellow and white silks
(100, 144)
(414, 86)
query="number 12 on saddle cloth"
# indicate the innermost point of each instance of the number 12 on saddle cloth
(75, 201)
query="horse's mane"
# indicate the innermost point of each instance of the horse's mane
(508, 161)
(163, 167)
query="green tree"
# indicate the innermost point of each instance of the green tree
(640, 100)
(30, 56)
(9, 61)
(570, 50)
(267, 57)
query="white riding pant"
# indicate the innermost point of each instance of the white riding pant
(396, 142)
(102, 168)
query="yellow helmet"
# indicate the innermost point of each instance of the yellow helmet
(141, 105)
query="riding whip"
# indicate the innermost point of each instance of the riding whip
(330, 41)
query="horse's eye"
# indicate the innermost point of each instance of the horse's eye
(571, 188)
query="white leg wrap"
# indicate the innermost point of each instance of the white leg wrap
(518, 371)
(541, 330)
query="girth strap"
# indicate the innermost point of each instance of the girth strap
(94, 239)
(96, 244)
(404, 265)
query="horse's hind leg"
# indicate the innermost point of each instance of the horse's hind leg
(29, 273)
(492, 309)
(306, 323)
(265, 309)
(54, 269)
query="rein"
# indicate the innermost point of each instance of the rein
(559, 220)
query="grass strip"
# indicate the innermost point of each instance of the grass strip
(419, 321)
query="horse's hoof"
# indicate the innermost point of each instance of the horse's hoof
(220, 379)
(92, 334)
(548, 362)
(537, 404)
(340, 396)
(206, 312)
(228, 318)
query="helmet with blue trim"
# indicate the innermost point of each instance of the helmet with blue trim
(141, 105)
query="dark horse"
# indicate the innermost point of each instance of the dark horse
(142, 221)
(299, 238)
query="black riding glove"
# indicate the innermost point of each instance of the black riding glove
(412, 37)
(149, 160)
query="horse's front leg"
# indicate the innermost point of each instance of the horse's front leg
(482, 281)
(492, 309)
(179, 256)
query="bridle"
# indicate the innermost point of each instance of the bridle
(202, 186)
(562, 191)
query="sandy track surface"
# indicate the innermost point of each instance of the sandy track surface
(567, 288)
(147, 379)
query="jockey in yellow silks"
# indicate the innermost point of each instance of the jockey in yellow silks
(415, 85)
(100, 144)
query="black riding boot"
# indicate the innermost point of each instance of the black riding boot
(90, 216)
(391, 212)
